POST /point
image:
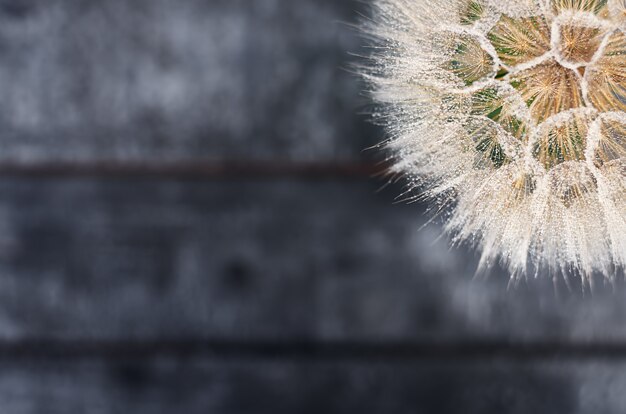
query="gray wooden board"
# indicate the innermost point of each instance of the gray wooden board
(259, 259)
(257, 386)
(180, 79)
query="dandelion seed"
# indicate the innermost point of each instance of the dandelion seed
(513, 114)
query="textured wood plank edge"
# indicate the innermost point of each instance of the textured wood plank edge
(311, 350)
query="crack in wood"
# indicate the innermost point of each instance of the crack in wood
(312, 350)
(252, 169)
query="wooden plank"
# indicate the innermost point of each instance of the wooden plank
(257, 386)
(179, 80)
(243, 259)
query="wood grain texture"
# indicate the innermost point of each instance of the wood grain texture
(179, 80)
(256, 386)
(318, 259)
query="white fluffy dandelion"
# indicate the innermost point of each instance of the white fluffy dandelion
(511, 116)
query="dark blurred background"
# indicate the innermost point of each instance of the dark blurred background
(190, 224)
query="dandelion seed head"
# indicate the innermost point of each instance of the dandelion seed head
(511, 118)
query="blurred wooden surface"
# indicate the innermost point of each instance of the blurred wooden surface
(189, 224)
(158, 80)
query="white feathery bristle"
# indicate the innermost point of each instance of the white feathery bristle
(511, 117)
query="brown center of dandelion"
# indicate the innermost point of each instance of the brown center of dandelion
(545, 74)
